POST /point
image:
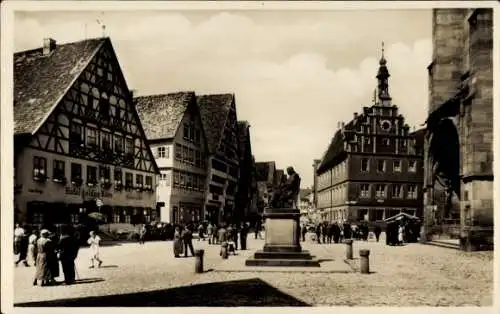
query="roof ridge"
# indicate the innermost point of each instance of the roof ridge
(59, 45)
(166, 94)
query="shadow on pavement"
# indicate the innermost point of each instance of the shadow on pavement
(248, 292)
(109, 266)
(88, 280)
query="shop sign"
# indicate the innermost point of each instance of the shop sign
(72, 190)
(132, 196)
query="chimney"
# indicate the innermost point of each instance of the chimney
(133, 92)
(49, 45)
(355, 115)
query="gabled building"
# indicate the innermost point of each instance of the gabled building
(247, 188)
(79, 144)
(373, 168)
(175, 134)
(218, 116)
(265, 176)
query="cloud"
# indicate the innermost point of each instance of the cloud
(294, 79)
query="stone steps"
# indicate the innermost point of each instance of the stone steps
(444, 244)
(283, 262)
(304, 255)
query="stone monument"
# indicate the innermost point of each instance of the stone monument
(282, 227)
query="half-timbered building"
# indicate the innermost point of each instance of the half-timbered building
(218, 116)
(175, 134)
(373, 168)
(245, 204)
(79, 143)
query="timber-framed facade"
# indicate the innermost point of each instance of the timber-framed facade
(218, 115)
(176, 136)
(80, 146)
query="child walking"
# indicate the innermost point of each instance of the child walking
(94, 241)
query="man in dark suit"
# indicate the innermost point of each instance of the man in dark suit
(68, 251)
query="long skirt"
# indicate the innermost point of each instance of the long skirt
(32, 253)
(178, 247)
(43, 268)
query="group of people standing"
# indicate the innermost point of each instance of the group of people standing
(232, 234)
(326, 232)
(46, 249)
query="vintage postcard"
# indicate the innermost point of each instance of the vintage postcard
(248, 154)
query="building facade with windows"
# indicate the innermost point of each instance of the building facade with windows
(175, 134)
(373, 168)
(79, 143)
(266, 178)
(246, 205)
(219, 120)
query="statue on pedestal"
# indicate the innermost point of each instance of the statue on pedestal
(286, 194)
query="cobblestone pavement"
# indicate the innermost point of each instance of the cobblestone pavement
(410, 275)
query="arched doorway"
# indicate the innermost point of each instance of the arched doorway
(444, 162)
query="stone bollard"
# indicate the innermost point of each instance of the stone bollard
(365, 261)
(348, 247)
(198, 266)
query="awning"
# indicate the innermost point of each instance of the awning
(401, 216)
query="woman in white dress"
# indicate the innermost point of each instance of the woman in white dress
(94, 242)
(32, 247)
(400, 234)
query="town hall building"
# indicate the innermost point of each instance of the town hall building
(373, 168)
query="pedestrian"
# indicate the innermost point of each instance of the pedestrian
(210, 232)
(68, 251)
(187, 238)
(243, 235)
(94, 242)
(23, 244)
(18, 234)
(201, 236)
(178, 245)
(45, 271)
(347, 231)
(215, 234)
(222, 234)
(142, 233)
(236, 232)
(400, 234)
(318, 233)
(330, 233)
(336, 233)
(303, 231)
(32, 247)
(257, 230)
(377, 230)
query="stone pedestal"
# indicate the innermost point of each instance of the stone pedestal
(282, 246)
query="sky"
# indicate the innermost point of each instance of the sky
(295, 74)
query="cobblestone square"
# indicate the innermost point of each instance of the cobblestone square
(410, 275)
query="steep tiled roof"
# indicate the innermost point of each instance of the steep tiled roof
(243, 135)
(214, 110)
(263, 169)
(161, 114)
(336, 147)
(40, 81)
(304, 193)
